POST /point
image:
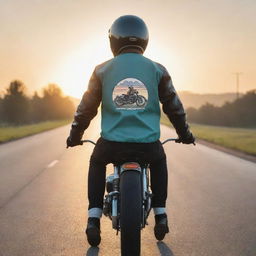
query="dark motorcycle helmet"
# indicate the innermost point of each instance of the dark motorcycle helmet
(128, 31)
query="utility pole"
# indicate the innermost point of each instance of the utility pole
(237, 83)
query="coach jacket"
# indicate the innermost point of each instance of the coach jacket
(125, 116)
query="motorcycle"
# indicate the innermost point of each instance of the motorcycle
(127, 202)
(126, 99)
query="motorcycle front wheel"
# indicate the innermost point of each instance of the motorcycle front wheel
(130, 212)
(141, 101)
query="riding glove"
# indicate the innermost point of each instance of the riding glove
(74, 137)
(188, 139)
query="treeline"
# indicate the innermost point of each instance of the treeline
(17, 108)
(239, 113)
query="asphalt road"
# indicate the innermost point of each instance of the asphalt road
(43, 201)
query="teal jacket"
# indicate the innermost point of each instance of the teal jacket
(129, 88)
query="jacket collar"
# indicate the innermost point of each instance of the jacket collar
(131, 50)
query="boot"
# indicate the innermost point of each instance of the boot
(93, 231)
(161, 226)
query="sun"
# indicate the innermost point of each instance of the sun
(73, 76)
(75, 69)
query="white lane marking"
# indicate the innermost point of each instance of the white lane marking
(52, 163)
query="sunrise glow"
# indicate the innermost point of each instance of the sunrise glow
(201, 46)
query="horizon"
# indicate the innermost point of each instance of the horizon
(30, 93)
(40, 92)
(201, 43)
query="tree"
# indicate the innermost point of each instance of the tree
(36, 108)
(55, 105)
(240, 113)
(1, 111)
(17, 108)
(15, 103)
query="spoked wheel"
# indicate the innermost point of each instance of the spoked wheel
(141, 101)
(130, 213)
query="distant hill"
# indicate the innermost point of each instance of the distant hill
(196, 100)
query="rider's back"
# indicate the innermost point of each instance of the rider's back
(130, 122)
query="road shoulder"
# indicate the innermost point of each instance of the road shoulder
(228, 150)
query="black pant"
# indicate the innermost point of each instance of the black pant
(106, 152)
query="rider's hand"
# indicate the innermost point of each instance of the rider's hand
(73, 143)
(74, 138)
(188, 139)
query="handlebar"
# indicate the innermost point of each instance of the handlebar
(176, 140)
(90, 141)
(172, 139)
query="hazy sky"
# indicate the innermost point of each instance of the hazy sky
(201, 42)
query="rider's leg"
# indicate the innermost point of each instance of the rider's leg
(96, 179)
(159, 185)
(96, 189)
(96, 186)
(159, 179)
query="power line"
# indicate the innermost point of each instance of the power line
(237, 74)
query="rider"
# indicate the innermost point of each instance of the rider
(128, 130)
(131, 91)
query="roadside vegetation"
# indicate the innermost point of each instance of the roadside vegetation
(8, 133)
(21, 115)
(232, 125)
(239, 113)
(240, 139)
(17, 108)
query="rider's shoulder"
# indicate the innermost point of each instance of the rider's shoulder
(102, 66)
(162, 69)
(159, 67)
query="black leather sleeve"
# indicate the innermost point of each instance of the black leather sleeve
(88, 107)
(172, 105)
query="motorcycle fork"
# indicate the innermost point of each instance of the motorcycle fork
(115, 199)
(144, 182)
(147, 195)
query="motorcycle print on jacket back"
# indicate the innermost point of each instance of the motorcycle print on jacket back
(130, 94)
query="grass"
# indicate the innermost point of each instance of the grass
(240, 139)
(8, 133)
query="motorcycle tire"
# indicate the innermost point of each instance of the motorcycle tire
(141, 101)
(119, 101)
(130, 212)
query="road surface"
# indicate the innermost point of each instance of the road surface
(43, 201)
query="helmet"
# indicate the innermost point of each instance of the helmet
(128, 31)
